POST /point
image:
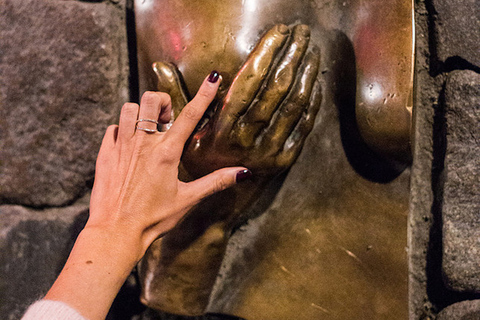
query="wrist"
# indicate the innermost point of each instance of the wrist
(118, 242)
(97, 267)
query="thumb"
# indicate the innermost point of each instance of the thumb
(216, 181)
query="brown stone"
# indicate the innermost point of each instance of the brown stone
(64, 76)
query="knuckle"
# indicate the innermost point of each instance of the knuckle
(130, 109)
(204, 95)
(220, 184)
(191, 113)
(284, 161)
(283, 84)
(303, 99)
(154, 98)
(111, 128)
(165, 97)
(149, 97)
(169, 152)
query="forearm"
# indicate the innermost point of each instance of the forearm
(97, 267)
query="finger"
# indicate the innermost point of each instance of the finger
(194, 110)
(154, 106)
(297, 138)
(105, 158)
(128, 119)
(249, 79)
(214, 182)
(169, 81)
(293, 106)
(281, 80)
(110, 138)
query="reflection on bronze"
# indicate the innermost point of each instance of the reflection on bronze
(383, 43)
(331, 243)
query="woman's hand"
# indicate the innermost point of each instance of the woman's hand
(136, 198)
(137, 191)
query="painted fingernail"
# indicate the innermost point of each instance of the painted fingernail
(243, 175)
(213, 77)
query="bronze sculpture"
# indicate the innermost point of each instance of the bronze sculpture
(201, 35)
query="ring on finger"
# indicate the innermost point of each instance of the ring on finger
(145, 129)
(147, 120)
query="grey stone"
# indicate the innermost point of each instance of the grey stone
(457, 25)
(465, 310)
(63, 79)
(461, 206)
(34, 245)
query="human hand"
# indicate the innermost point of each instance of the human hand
(137, 192)
(267, 112)
(136, 198)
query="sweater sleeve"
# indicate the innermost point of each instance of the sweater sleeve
(51, 310)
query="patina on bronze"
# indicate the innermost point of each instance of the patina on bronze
(331, 243)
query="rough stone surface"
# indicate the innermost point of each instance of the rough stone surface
(465, 310)
(34, 245)
(421, 217)
(63, 79)
(435, 164)
(461, 207)
(457, 25)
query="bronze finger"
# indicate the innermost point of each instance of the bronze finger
(292, 108)
(279, 83)
(294, 143)
(250, 78)
(169, 81)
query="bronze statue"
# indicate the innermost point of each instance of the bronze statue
(268, 53)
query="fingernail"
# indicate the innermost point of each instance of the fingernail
(243, 175)
(283, 29)
(213, 77)
(303, 29)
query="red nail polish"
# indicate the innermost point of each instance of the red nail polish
(243, 175)
(213, 77)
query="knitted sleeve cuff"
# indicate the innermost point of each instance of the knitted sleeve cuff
(51, 310)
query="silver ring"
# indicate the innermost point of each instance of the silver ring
(147, 120)
(147, 130)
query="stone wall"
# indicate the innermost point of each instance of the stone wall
(64, 77)
(445, 199)
(64, 74)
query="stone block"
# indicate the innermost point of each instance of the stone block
(461, 206)
(457, 24)
(34, 245)
(465, 310)
(63, 80)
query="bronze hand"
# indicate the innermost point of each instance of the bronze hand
(261, 123)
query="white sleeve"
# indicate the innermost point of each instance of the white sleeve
(51, 310)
